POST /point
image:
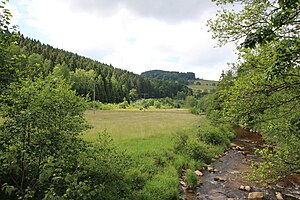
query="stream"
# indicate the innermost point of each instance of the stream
(231, 170)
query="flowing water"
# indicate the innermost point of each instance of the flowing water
(232, 169)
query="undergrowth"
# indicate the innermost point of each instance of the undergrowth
(155, 174)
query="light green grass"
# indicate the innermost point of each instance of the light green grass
(203, 85)
(132, 124)
(1, 120)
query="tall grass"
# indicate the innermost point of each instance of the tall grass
(134, 124)
(160, 143)
(148, 138)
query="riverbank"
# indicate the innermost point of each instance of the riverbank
(229, 179)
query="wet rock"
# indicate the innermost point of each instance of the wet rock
(217, 178)
(215, 170)
(245, 188)
(256, 195)
(279, 196)
(198, 173)
(232, 145)
(248, 188)
(239, 148)
(210, 169)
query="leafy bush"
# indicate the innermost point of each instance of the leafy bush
(216, 134)
(195, 110)
(180, 142)
(198, 150)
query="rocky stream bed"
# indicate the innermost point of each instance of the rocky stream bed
(225, 179)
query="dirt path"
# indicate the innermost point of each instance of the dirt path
(231, 170)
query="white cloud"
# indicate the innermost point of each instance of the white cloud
(128, 36)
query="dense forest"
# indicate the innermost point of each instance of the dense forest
(111, 84)
(179, 77)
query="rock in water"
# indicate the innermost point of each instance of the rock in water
(279, 196)
(248, 188)
(256, 195)
(217, 178)
(210, 169)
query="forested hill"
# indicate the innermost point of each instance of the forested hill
(111, 84)
(171, 76)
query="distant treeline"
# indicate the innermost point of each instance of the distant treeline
(111, 84)
(179, 77)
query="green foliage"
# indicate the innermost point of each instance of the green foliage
(9, 62)
(171, 76)
(190, 101)
(89, 77)
(257, 22)
(133, 95)
(262, 89)
(39, 145)
(106, 168)
(199, 150)
(162, 186)
(191, 179)
(216, 134)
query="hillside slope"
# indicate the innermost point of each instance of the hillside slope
(109, 83)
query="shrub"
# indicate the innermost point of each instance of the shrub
(180, 142)
(157, 104)
(199, 150)
(195, 110)
(216, 135)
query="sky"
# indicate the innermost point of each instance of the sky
(135, 35)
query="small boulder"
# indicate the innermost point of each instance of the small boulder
(217, 178)
(239, 148)
(198, 173)
(210, 169)
(279, 196)
(182, 183)
(248, 188)
(232, 145)
(256, 195)
(242, 187)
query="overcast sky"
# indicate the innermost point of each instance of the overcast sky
(136, 35)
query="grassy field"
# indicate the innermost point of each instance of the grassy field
(203, 85)
(140, 131)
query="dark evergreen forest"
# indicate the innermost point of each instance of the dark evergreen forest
(180, 77)
(111, 84)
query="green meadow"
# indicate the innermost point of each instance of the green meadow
(203, 85)
(141, 131)
(149, 138)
